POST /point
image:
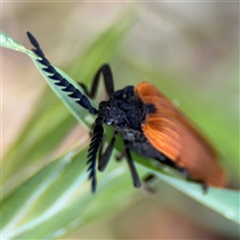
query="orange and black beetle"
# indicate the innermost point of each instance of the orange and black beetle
(148, 123)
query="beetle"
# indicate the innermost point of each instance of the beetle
(149, 124)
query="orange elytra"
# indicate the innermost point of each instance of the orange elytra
(169, 131)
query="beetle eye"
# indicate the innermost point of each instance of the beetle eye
(109, 121)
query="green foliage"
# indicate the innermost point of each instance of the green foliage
(56, 198)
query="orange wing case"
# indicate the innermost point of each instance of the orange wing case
(171, 133)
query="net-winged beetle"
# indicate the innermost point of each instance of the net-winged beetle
(149, 124)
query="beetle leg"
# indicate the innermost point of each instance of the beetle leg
(108, 82)
(105, 157)
(120, 156)
(148, 178)
(190, 178)
(135, 177)
(146, 183)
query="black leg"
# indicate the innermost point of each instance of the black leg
(135, 177)
(120, 156)
(108, 81)
(187, 174)
(105, 157)
(146, 183)
(190, 178)
(148, 178)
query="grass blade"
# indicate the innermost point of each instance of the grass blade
(57, 198)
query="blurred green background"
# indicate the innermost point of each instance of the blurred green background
(190, 51)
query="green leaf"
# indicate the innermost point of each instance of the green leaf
(57, 198)
(49, 117)
(223, 201)
(60, 191)
(79, 114)
(8, 42)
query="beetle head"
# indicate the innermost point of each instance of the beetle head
(112, 115)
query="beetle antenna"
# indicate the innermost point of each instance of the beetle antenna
(93, 150)
(59, 80)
